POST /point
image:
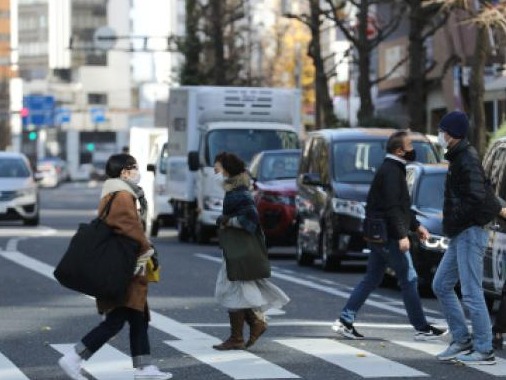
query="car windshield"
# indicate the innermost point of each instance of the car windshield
(13, 168)
(358, 161)
(245, 143)
(279, 166)
(430, 194)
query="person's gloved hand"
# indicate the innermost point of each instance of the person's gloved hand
(222, 220)
(142, 260)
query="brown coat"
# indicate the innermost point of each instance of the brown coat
(125, 220)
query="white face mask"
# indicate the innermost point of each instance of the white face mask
(135, 176)
(218, 177)
(441, 140)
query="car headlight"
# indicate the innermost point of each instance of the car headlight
(213, 204)
(25, 193)
(347, 207)
(277, 198)
(436, 243)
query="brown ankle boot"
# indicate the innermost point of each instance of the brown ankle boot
(257, 326)
(236, 340)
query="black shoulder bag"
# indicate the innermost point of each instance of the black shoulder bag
(375, 230)
(98, 261)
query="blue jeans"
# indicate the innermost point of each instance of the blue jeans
(463, 260)
(401, 263)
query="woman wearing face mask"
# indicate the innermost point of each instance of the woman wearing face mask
(124, 218)
(245, 300)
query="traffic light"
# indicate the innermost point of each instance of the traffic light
(32, 135)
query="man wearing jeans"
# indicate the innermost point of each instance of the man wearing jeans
(469, 204)
(389, 198)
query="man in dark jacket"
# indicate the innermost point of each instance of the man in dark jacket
(469, 204)
(389, 200)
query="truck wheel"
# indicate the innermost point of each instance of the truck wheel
(329, 261)
(182, 232)
(303, 258)
(202, 235)
(155, 227)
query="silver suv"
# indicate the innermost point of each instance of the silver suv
(19, 196)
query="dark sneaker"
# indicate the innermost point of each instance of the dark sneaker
(430, 333)
(476, 358)
(455, 349)
(346, 329)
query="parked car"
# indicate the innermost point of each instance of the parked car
(494, 265)
(426, 186)
(53, 171)
(19, 196)
(274, 174)
(335, 172)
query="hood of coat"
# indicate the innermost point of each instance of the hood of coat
(115, 184)
(240, 180)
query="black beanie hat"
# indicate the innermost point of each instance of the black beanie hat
(455, 124)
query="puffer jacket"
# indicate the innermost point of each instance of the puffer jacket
(468, 202)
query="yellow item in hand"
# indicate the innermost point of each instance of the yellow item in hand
(152, 274)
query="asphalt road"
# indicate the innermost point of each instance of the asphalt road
(38, 317)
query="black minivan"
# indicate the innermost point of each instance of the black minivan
(335, 173)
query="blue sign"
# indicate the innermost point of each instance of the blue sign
(97, 115)
(40, 110)
(62, 115)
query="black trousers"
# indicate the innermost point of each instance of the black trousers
(113, 323)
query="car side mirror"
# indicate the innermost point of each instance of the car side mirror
(193, 161)
(312, 179)
(151, 168)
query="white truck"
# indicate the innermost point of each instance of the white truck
(147, 146)
(204, 121)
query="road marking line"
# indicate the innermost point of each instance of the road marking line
(8, 371)
(237, 364)
(108, 363)
(329, 290)
(193, 342)
(434, 348)
(363, 363)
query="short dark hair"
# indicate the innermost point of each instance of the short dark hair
(396, 141)
(231, 163)
(117, 162)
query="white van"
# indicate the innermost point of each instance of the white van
(161, 212)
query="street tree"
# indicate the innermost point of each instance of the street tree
(365, 34)
(487, 17)
(425, 19)
(324, 108)
(215, 45)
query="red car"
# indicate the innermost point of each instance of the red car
(274, 174)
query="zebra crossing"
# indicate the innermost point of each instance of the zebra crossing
(348, 357)
(109, 363)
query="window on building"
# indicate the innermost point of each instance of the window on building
(97, 98)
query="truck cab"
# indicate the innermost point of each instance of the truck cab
(243, 121)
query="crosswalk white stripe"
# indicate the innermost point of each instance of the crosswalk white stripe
(434, 348)
(199, 345)
(8, 371)
(240, 365)
(363, 363)
(107, 364)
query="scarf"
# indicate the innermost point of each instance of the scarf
(239, 203)
(117, 184)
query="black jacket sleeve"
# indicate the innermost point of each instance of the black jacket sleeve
(392, 187)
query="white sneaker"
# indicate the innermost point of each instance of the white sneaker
(70, 363)
(151, 372)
